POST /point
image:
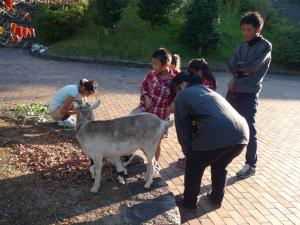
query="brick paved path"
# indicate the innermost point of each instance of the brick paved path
(270, 197)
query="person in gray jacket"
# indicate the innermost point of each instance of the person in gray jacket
(248, 66)
(220, 136)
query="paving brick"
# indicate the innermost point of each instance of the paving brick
(278, 214)
(294, 218)
(273, 220)
(258, 216)
(194, 221)
(252, 220)
(242, 210)
(262, 209)
(272, 196)
(229, 221)
(237, 217)
(215, 218)
(222, 212)
(282, 209)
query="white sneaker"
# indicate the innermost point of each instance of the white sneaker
(69, 123)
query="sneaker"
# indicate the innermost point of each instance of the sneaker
(69, 123)
(247, 171)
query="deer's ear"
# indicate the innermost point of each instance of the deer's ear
(95, 105)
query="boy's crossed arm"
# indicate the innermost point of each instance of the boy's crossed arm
(247, 68)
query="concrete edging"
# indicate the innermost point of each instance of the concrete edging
(131, 63)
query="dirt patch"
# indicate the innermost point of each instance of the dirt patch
(44, 179)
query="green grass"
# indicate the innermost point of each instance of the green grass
(135, 39)
(230, 36)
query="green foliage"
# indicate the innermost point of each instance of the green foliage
(56, 23)
(107, 13)
(202, 19)
(286, 42)
(31, 113)
(262, 6)
(132, 39)
(158, 12)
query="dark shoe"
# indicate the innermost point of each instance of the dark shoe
(215, 203)
(246, 171)
(182, 204)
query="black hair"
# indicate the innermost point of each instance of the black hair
(253, 18)
(89, 85)
(176, 60)
(163, 55)
(201, 64)
(181, 77)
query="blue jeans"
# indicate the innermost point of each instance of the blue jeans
(246, 105)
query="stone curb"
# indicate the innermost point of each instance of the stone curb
(131, 63)
(155, 205)
(127, 63)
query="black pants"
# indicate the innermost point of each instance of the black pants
(197, 161)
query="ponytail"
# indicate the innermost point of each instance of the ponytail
(89, 85)
(201, 64)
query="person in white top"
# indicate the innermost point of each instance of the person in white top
(61, 106)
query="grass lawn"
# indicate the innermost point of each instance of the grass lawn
(134, 39)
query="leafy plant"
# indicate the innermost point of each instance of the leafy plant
(158, 12)
(56, 23)
(286, 42)
(15, 24)
(107, 13)
(263, 6)
(31, 113)
(202, 19)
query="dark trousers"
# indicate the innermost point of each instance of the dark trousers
(246, 105)
(197, 161)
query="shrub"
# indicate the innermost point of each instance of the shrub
(286, 42)
(107, 13)
(56, 23)
(202, 18)
(263, 6)
(158, 12)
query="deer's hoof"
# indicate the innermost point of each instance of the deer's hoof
(147, 186)
(94, 189)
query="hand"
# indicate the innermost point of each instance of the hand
(148, 101)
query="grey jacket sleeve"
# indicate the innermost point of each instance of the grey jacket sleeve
(183, 123)
(232, 63)
(262, 57)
